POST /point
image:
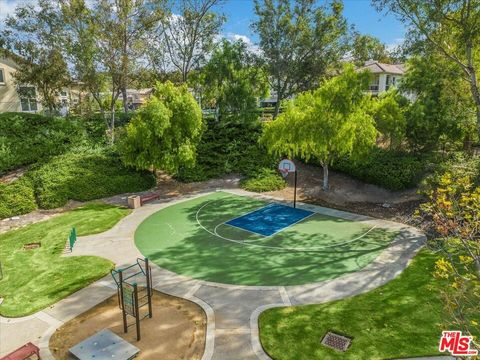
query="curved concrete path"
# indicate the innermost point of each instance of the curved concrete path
(232, 311)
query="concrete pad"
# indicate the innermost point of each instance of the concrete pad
(233, 346)
(17, 333)
(79, 302)
(233, 307)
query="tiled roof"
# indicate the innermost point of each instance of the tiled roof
(378, 68)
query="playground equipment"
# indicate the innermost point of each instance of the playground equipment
(134, 291)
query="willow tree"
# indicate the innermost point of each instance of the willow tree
(164, 133)
(331, 122)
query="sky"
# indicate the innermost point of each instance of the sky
(240, 14)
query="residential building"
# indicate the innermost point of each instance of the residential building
(136, 98)
(13, 97)
(385, 76)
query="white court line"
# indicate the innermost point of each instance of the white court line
(310, 249)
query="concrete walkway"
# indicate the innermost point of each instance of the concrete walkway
(232, 311)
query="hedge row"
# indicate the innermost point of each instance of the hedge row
(85, 175)
(81, 174)
(17, 198)
(28, 138)
(390, 170)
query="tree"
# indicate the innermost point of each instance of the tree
(35, 34)
(83, 50)
(367, 47)
(442, 112)
(189, 37)
(452, 215)
(123, 26)
(326, 124)
(233, 81)
(450, 27)
(300, 43)
(389, 117)
(163, 134)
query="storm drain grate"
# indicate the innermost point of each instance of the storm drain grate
(335, 341)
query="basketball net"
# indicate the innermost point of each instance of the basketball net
(284, 172)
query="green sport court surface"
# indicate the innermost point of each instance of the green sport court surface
(191, 238)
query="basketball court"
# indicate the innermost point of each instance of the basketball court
(227, 238)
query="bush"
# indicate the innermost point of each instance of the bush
(94, 125)
(458, 163)
(265, 180)
(391, 170)
(29, 138)
(228, 147)
(85, 174)
(16, 198)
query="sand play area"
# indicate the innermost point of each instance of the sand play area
(176, 331)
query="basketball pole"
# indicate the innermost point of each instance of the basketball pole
(295, 191)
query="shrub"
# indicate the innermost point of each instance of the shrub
(85, 174)
(16, 198)
(228, 147)
(29, 138)
(265, 180)
(458, 163)
(94, 125)
(164, 133)
(391, 170)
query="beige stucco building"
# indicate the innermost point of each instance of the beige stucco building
(10, 98)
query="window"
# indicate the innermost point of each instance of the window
(2, 77)
(28, 98)
(388, 82)
(375, 83)
(63, 93)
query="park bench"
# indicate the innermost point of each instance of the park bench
(23, 352)
(146, 198)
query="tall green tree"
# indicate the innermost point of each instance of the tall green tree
(189, 35)
(83, 50)
(300, 42)
(442, 112)
(449, 27)
(35, 34)
(367, 47)
(163, 134)
(233, 81)
(326, 124)
(123, 25)
(388, 111)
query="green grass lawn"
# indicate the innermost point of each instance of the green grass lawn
(399, 319)
(34, 279)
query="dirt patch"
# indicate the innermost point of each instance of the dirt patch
(348, 194)
(176, 331)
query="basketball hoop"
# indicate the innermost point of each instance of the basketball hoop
(285, 167)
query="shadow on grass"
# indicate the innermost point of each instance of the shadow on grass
(195, 252)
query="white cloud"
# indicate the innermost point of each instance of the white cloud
(250, 45)
(395, 44)
(7, 7)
